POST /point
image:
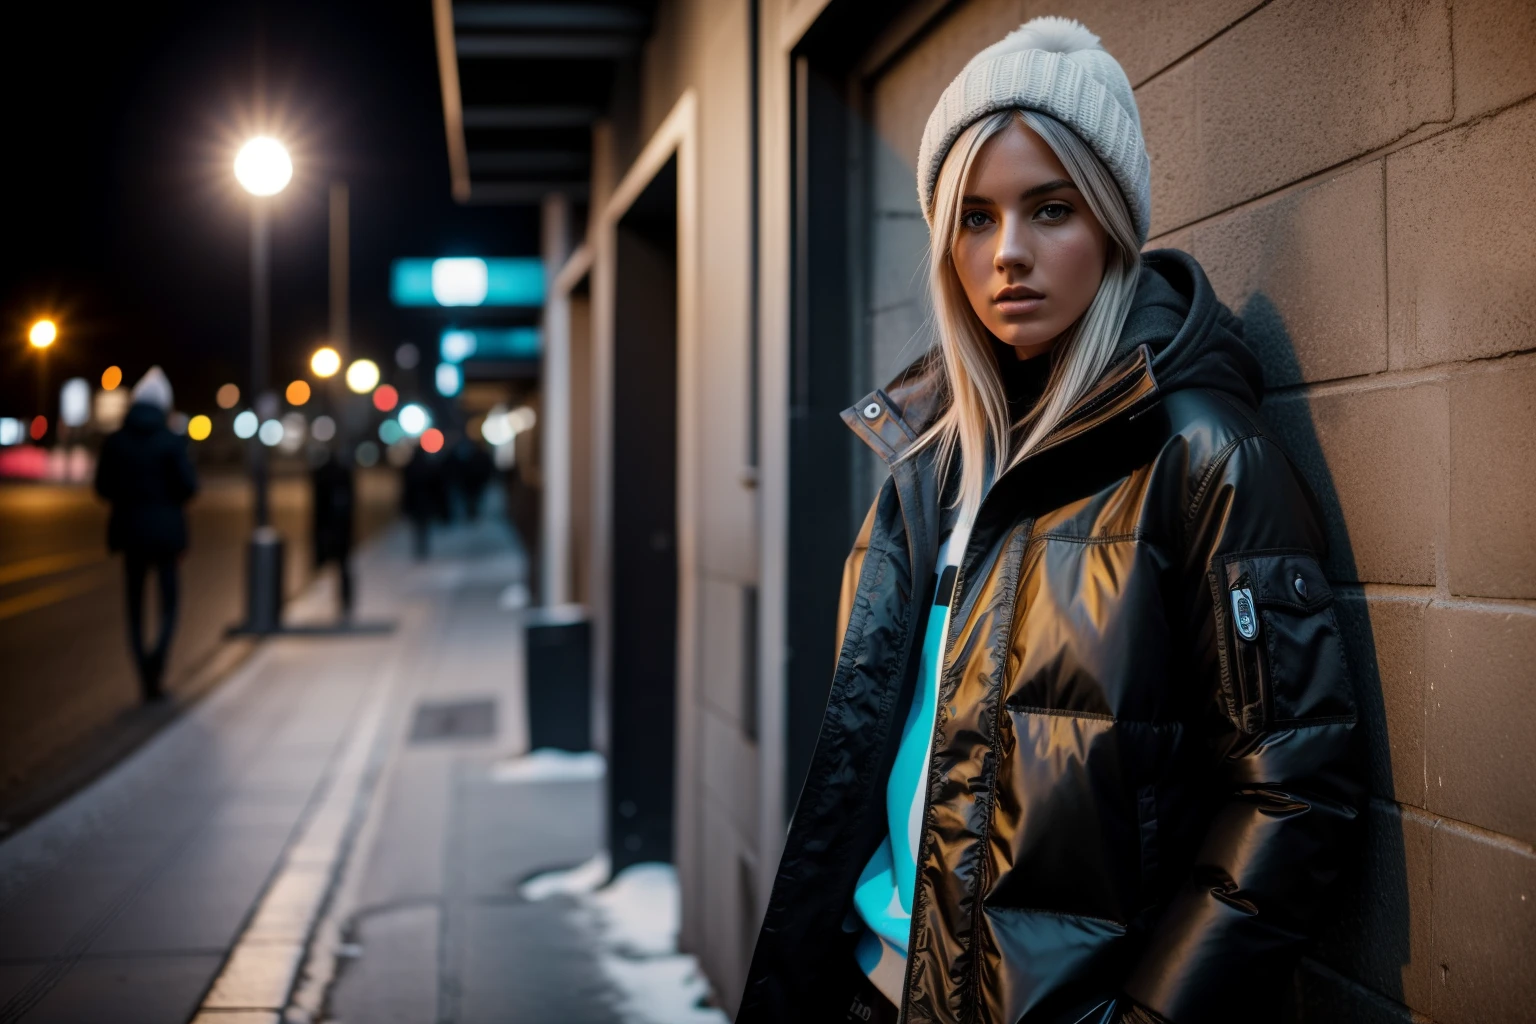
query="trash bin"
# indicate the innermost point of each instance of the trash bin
(558, 650)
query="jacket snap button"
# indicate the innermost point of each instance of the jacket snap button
(1301, 587)
(872, 410)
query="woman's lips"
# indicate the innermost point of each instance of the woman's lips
(1019, 306)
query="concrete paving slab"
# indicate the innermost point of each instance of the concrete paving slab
(534, 962)
(127, 990)
(257, 976)
(394, 978)
(14, 978)
(237, 1017)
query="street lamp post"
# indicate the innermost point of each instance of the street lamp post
(40, 337)
(263, 169)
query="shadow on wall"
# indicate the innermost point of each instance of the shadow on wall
(1369, 941)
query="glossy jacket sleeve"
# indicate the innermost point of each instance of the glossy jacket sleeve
(1281, 740)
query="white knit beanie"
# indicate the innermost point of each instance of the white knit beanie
(1057, 67)
(154, 388)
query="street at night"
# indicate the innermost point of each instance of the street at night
(773, 511)
(69, 684)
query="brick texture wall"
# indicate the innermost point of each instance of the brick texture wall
(1357, 178)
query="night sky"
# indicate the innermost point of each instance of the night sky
(125, 223)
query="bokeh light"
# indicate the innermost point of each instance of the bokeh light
(43, 333)
(39, 427)
(363, 376)
(399, 453)
(111, 377)
(294, 429)
(75, 402)
(325, 362)
(263, 166)
(228, 396)
(271, 433)
(407, 356)
(367, 454)
(390, 432)
(450, 379)
(297, 393)
(246, 424)
(199, 427)
(432, 441)
(323, 429)
(385, 398)
(414, 419)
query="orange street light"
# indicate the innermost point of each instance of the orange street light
(43, 333)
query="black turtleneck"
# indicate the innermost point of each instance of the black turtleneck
(1024, 380)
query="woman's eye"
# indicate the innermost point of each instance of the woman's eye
(1053, 212)
(973, 219)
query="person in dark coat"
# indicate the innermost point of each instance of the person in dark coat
(1088, 752)
(424, 496)
(145, 473)
(334, 498)
(473, 470)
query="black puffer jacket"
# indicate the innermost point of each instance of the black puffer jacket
(145, 473)
(1141, 779)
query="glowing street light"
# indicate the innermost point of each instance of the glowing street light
(263, 166)
(363, 376)
(43, 333)
(325, 362)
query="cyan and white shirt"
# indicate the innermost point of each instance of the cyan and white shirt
(883, 896)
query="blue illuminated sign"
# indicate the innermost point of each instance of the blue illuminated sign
(458, 344)
(467, 281)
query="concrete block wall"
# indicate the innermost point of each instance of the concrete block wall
(1357, 179)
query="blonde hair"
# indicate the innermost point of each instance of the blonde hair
(975, 423)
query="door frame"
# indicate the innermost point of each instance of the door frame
(676, 136)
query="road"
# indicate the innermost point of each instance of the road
(66, 678)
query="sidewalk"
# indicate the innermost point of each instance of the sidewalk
(341, 831)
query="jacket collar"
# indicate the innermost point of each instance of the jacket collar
(891, 419)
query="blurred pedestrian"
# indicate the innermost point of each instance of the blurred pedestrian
(147, 476)
(424, 497)
(473, 470)
(334, 498)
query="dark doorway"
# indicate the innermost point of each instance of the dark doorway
(643, 673)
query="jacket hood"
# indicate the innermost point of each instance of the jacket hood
(1196, 341)
(144, 418)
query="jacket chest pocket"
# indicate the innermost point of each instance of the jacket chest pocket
(1273, 616)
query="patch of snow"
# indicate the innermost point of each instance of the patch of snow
(660, 990)
(639, 911)
(550, 765)
(634, 921)
(577, 881)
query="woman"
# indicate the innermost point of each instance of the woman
(1086, 751)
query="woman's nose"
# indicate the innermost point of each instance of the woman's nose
(1013, 249)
